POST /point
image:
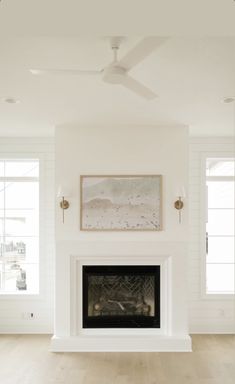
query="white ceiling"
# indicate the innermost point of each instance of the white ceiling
(190, 75)
(122, 17)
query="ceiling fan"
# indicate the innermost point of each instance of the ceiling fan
(117, 72)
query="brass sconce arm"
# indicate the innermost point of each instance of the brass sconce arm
(64, 204)
(178, 204)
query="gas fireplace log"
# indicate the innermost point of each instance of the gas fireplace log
(118, 303)
(121, 306)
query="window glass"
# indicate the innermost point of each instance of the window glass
(220, 278)
(21, 223)
(21, 195)
(22, 249)
(220, 222)
(220, 194)
(20, 277)
(220, 226)
(2, 195)
(1, 274)
(21, 168)
(1, 168)
(2, 213)
(220, 167)
(19, 226)
(220, 250)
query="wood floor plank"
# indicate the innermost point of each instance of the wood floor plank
(25, 359)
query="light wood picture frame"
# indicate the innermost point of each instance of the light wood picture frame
(120, 202)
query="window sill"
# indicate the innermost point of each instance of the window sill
(217, 296)
(20, 296)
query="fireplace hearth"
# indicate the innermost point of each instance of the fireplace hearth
(121, 296)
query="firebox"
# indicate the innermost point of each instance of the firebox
(121, 296)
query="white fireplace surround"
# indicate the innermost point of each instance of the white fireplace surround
(172, 334)
(76, 280)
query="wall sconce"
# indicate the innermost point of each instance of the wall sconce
(64, 204)
(179, 204)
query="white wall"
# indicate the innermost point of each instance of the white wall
(205, 315)
(12, 308)
(127, 150)
(121, 150)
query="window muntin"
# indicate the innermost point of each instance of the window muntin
(19, 226)
(220, 226)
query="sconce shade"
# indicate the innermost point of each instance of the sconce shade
(180, 192)
(63, 192)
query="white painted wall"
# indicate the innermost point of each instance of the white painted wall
(126, 150)
(12, 307)
(121, 150)
(205, 315)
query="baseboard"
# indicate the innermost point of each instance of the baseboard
(209, 328)
(213, 333)
(26, 329)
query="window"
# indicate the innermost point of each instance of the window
(19, 226)
(220, 226)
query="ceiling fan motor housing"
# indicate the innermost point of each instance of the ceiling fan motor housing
(113, 74)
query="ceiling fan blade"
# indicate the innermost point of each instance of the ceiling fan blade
(140, 89)
(64, 72)
(140, 51)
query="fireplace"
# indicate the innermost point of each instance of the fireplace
(121, 296)
(140, 319)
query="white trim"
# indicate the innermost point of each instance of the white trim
(8, 155)
(116, 339)
(203, 217)
(76, 263)
(18, 179)
(201, 140)
(117, 344)
(220, 178)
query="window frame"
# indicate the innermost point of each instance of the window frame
(41, 233)
(203, 219)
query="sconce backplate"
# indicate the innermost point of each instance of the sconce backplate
(64, 204)
(179, 204)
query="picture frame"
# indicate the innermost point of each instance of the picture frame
(120, 202)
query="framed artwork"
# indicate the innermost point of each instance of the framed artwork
(125, 203)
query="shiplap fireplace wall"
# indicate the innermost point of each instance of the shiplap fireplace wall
(122, 150)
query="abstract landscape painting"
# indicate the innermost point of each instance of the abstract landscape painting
(121, 203)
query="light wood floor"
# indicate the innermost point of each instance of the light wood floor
(26, 360)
